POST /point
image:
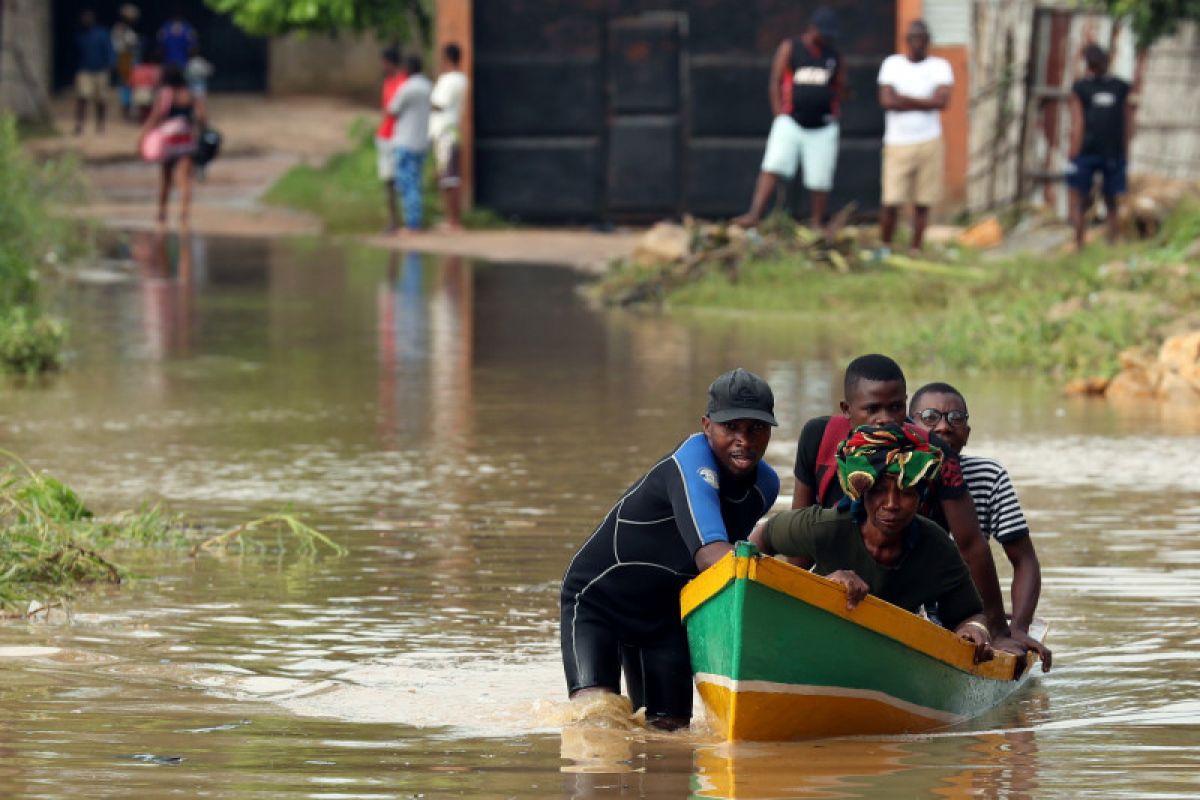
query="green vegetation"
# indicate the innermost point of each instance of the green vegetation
(389, 20)
(52, 545)
(1065, 315)
(1152, 19)
(32, 242)
(346, 193)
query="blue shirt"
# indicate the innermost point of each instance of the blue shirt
(95, 50)
(177, 40)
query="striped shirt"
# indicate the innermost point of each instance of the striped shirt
(1000, 514)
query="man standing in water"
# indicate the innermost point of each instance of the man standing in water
(942, 410)
(914, 87)
(620, 596)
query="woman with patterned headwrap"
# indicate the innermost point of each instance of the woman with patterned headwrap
(874, 542)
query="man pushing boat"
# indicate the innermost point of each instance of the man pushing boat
(875, 543)
(620, 595)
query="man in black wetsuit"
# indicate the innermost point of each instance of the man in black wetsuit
(620, 596)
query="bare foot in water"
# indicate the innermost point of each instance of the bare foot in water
(745, 221)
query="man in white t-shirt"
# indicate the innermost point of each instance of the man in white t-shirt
(448, 98)
(913, 90)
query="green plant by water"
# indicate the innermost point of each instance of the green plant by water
(33, 243)
(1047, 313)
(52, 546)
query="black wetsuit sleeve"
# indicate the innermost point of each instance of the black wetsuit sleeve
(807, 449)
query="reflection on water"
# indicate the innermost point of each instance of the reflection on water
(462, 427)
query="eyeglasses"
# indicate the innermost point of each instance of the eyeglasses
(930, 417)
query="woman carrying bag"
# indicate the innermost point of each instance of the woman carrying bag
(169, 137)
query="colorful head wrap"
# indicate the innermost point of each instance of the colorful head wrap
(872, 451)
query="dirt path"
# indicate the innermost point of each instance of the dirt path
(264, 138)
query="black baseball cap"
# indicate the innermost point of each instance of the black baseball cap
(740, 394)
(825, 20)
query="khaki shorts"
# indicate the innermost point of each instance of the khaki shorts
(913, 173)
(91, 85)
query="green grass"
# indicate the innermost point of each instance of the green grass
(33, 243)
(1054, 314)
(53, 547)
(346, 194)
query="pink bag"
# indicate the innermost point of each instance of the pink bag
(167, 138)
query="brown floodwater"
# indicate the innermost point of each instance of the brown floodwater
(461, 428)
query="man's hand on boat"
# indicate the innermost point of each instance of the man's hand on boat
(856, 587)
(975, 631)
(1019, 641)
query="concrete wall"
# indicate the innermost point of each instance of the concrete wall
(341, 65)
(1166, 140)
(25, 58)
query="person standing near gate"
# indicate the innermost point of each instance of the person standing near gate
(914, 87)
(805, 91)
(95, 58)
(411, 106)
(1101, 124)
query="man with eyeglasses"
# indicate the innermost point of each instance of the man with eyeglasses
(942, 410)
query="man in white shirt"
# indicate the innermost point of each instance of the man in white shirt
(913, 90)
(448, 98)
(410, 105)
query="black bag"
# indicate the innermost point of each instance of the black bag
(207, 147)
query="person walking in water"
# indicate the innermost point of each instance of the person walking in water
(1101, 125)
(620, 595)
(177, 115)
(410, 140)
(805, 88)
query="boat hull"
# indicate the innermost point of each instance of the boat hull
(777, 656)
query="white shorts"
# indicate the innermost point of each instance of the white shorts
(814, 149)
(385, 159)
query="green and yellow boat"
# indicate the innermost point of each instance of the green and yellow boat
(777, 656)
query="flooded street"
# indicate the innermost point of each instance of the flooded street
(462, 428)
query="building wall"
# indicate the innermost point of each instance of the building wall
(637, 109)
(25, 58)
(310, 64)
(1166, 140)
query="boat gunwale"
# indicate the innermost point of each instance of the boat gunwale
(872, 613)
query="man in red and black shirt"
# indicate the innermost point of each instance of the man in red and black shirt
(807, 76)
(876, 393)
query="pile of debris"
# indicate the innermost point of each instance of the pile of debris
(1171, 375)
(671, 254)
